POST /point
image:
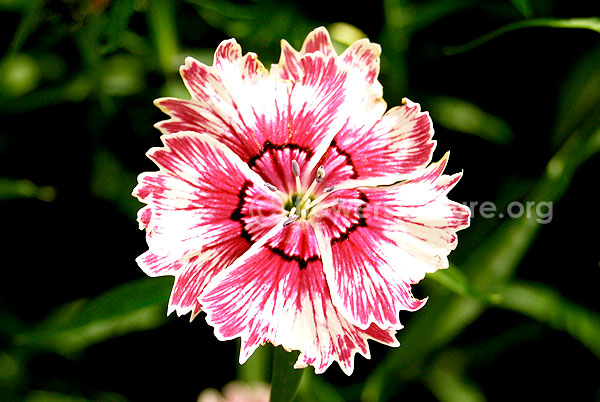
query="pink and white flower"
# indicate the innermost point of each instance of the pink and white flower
(291, 207)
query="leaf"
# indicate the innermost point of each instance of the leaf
(161, 15)
(578, 96)
(23, 188)
(118, 18)
(9, 368)
(446, 380)
(112, 181)
(313, 388)
(524, 7)
(135, 306)
(32, 18)
(75, 90)
(592, 24)
(48, 396)
(456, 281)
(463, 116)
(546, 305)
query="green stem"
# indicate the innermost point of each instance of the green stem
(577, 23)
(256, 369)
(285, 378)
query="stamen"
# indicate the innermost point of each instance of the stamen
(320, 173)
(328, 189)
(319, 198)
(326, 205)
(296, 172)
(303, 213)
(318, 179)
(270, 187)
(295, 168)
(290, 220)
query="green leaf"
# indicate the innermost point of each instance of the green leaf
(447, 381)
(313, 388)
(456, 281)
(592, 24)
(33, 16)
(118, 18)
(135, 306)
(74, 90)
(48, 396)
(524, 7)
(546, 305)
(112, 181)
(9, 368)
(463, 116)
(123, 75)
(579, 95)
(23, 188)
(161, 15)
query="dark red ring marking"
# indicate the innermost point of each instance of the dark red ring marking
(238, 216)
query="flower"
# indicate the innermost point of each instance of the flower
(291, 207)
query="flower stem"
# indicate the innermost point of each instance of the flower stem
(285, 378)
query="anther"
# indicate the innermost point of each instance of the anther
(290, 220)
(270, 187)
(295, 168)
(320, 173)
(328, 189)
(296, 172)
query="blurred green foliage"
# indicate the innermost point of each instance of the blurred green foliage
(520, 113)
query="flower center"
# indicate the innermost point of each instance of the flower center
(300, 203)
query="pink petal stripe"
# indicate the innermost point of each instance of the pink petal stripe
(208, 118)
(363, 57)
(366, 289)
(290, 66)
(225, 104)
(406, 231)
(275, 165)
(204, 207)
(286, 305)
(318, 40)
(398, 144)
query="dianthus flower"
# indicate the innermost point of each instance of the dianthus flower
(291, 207)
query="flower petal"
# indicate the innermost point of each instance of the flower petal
(318, 40)
(290, 66)
(360, 66)
(239, 104)
(362, 57)
(406, 231)
(267, 297)
(387, 150)
(205, 207)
